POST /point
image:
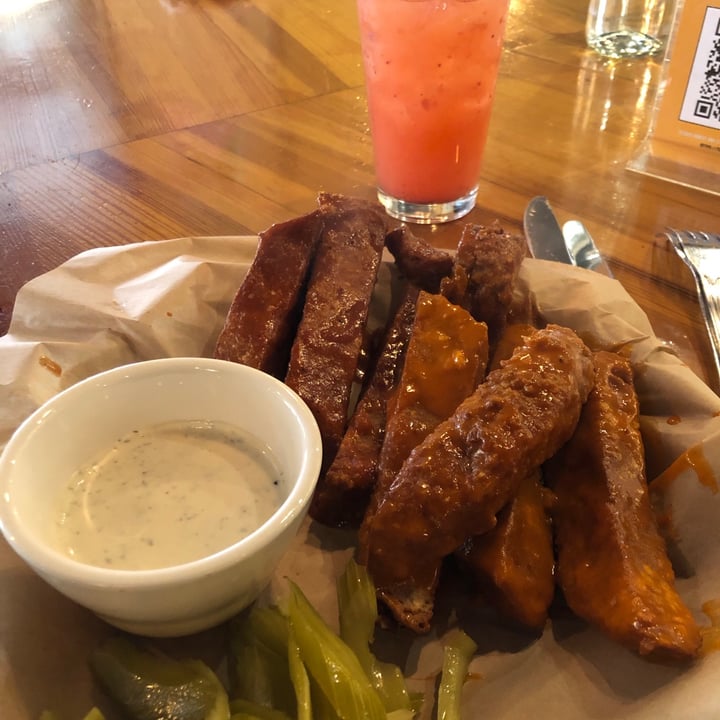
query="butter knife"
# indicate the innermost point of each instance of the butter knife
(543, 233)
(582, 248)
(571, 244)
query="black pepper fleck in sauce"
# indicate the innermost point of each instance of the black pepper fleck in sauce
(166, 495)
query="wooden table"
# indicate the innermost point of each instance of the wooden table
(127, 121)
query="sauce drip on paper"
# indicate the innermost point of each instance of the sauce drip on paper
(692, 459)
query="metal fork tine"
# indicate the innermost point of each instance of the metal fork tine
(698, 238)
(711, 239)
(676, 240)
(698, 251)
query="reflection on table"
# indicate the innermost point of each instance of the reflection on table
(128, 122)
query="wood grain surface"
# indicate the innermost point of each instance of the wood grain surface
(138, 120)
(125, 120)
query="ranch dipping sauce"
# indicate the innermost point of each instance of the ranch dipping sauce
(168, 494)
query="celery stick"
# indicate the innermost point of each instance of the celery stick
(357, 604)
(300, 679)
(94, 714)
(267, 624)
(150, 686)
(322, 708)
(458, 651)
(332, 663)
(259, 666)
(249, 709)
(401, 715)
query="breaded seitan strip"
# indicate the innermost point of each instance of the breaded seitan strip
(420, 262)
(325, 354)
(263, 316)
(511, 337)
(446, 358)
(455, 482)
(613, 566)
(343, 494)
(513, 563)
(486, 267)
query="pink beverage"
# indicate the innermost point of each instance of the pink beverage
(430, 72)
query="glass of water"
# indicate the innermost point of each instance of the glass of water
(628, 28)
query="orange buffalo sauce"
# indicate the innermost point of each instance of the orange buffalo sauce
(509, 340)
(711, 635)
(51, 365)
(446, 357)
(692, 459)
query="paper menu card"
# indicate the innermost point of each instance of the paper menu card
(684, 141)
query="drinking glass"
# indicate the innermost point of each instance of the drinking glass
(628, 28)
(430, 73)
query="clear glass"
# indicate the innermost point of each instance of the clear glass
(430, 73)
(628, 28)
(427, 213)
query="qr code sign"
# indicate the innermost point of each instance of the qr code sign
(701, 105)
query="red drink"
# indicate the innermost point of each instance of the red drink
(430, 71)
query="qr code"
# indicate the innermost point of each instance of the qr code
(701, 105)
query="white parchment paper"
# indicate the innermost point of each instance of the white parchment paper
(111, 306)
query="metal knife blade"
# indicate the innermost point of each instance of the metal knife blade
(571, 244)
(582, 249)
(543, 233)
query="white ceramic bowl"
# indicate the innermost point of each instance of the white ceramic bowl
(72, 427)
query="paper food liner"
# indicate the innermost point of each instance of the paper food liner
(112, 306)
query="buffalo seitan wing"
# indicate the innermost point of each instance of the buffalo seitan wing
(260, 325)
(513, 563)
(612, 562)
(456, 481)
(420, 262)
(486, 267)
(342, 496)
(329, 339)
(446, 358)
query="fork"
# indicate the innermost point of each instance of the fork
(701, 253)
